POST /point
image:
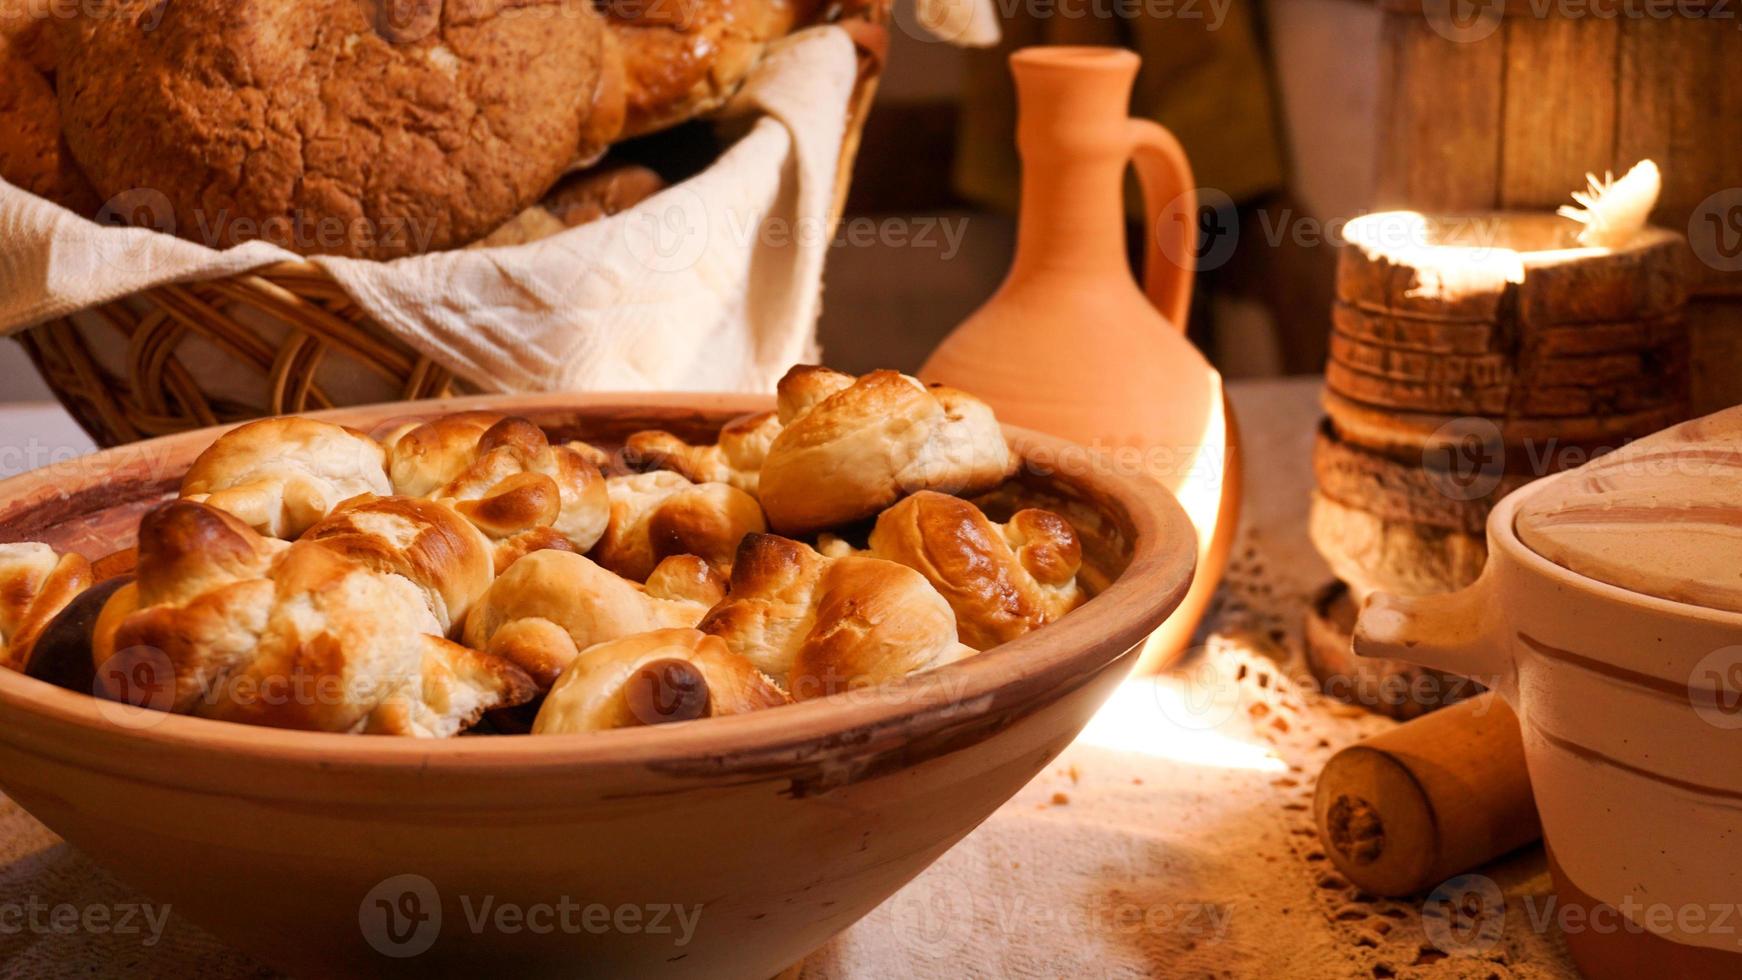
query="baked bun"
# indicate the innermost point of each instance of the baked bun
(422, 541)
(652, 679)
(281, 475)
(550, 605)
(365, 128)
(227, 624)
(32, 154)
(819, 625)
(506, 477)
(735, 459)
(1002, 580)
(36, 583)
(657, 515)
(685, 59)
(849, 447)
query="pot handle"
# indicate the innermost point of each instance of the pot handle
(1170, 204)
(1457, 632)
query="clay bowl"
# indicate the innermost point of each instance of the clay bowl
(349, 855)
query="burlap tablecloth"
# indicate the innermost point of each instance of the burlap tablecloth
(1174, 838)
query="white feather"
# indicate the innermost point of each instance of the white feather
(1613, 210)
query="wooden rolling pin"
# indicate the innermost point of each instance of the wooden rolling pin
(1401, 812)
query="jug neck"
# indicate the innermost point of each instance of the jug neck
(1072, 135)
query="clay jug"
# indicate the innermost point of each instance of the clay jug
(1069, 344)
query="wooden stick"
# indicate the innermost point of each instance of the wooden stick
(1403, 811)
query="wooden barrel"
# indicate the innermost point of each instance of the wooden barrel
(1506, 104)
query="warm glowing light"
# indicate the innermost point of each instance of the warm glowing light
(1175, 717)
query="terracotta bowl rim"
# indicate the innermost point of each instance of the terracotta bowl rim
(1502, 530)
(1059, 656)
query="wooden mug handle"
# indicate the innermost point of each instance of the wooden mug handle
(1170, 206)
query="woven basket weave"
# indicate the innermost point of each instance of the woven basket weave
(167, 359)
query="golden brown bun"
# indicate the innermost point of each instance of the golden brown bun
(423, 541)
(36, 583)
(224, 623)
(657, 515)
(687, 58)
(281, 475)
(652, 679)
(505, 476)
(850, 447)
(366, 128)
(550, 605)
(1002, 580)
(735, 459)
(32, 154)
(820, 625)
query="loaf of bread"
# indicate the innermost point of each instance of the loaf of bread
(1002, 580)
(820, 625)
(849, 447)
(33, 155)
(366, 128)
(326, 634)
(653, 679)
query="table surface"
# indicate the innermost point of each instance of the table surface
(1174, 837)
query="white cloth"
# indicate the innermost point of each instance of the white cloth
(713, 284)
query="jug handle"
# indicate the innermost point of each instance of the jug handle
(1457, 632)
(1170, 206)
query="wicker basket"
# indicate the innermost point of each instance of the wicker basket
(169, 358)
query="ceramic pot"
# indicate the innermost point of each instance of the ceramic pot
(1069, 344)
(1631, 712)
(340, 855)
